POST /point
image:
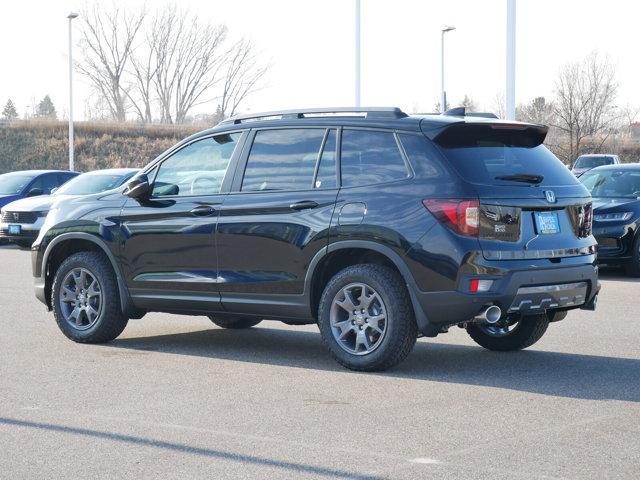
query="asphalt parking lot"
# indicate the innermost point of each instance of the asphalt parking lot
(177, 397)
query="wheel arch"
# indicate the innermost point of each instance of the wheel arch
(69, 243)
(341, 254)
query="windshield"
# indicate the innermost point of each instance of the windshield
(613, 183)
(592, 162)
(14, 183)
(91, 183)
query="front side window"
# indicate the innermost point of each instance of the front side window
(197, 169)
(45, 183)
(283, 159)
(369, 157)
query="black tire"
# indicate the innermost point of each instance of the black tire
(238, 323)
(529, 330)
(401, 330)
(633, 268)
(110, 321)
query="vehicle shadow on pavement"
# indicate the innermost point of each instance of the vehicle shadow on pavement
(616, 274)
(547, 373)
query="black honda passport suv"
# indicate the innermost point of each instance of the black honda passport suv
(378, 226)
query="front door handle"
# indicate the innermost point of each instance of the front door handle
(203, 211)
(304, 205)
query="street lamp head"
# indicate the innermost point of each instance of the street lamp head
(72, 15)
(448, 28)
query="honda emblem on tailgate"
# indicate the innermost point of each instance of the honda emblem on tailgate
(551, 197)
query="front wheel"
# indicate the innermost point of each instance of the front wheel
(633, 268)
(366, 319)
(509, 333)
(85, 299)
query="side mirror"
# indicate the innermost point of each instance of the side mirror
(34, 192)
(138, 187)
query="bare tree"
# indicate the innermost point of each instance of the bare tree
(585, 105)
(242, 74)
(468, 103)
(538, 110)
(187, 61)
(107, 42)
(143, 70)
(498, 105)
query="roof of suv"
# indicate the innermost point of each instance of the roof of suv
(381, 117)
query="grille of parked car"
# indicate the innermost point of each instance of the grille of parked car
(18, 217)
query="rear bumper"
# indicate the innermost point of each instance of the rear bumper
(580, 286)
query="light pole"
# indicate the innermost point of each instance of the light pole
(357, 54)
(511, 61)
(71, 16)
(443, 96)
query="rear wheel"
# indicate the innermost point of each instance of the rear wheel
(235, 323)
(85, 299)
(366, 319)
(509, 334)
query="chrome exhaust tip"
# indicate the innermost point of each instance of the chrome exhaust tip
(490, 314)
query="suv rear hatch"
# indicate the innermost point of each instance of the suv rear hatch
(531, 206)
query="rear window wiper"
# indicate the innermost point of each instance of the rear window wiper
(521, 177)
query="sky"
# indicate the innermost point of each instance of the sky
(310, 46)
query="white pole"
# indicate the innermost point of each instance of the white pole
(357, 54)
(511, 60)
(71, 163)
(443, 95)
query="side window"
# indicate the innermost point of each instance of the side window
(416, 148)
(326, 177)
(46, 183)
(197, 169)
(370, 157)
(283, 159)
(63, 178)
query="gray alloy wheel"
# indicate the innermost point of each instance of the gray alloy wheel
(358, 319)
(80, 299)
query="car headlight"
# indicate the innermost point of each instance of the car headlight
(613, 217)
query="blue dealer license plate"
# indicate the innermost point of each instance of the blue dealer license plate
(547, 222)
(15, 229)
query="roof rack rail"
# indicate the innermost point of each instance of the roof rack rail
(461, 112)
(370, 112)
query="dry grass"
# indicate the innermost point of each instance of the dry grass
(43, 144)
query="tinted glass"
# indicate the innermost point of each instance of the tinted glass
(417, 149)
(369, 157)
(612, 183)
(46, 183)
(92, 183)
(283, 159)
(197, 169)
(592, 162)
(14, 183)
(326, 177)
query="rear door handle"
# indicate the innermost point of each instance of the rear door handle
(203, 211)
(304, 205)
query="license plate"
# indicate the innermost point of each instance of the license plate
(15, 229)
(547, 222)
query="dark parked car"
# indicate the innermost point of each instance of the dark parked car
(30, 183)
(20, 221)
(376, 225)
(25, 184)
(584, 163)
(616, 214)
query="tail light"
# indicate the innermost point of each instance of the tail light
(461, 216)
(582, 219)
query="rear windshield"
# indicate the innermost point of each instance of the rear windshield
(593, 162)
(485, 156)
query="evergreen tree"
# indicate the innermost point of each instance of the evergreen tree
(46, 108)
(9, 112)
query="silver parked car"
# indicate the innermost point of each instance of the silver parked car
(584, 163)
